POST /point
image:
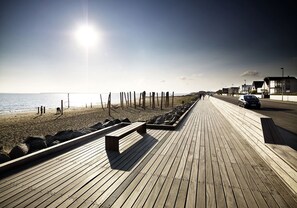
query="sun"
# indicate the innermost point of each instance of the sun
(87, 36)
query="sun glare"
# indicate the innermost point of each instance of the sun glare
(87, 36)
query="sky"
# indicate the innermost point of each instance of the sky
(153, 45)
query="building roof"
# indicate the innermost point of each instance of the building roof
(257, 84)
(278, 78)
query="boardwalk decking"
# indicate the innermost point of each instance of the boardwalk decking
(204, 163)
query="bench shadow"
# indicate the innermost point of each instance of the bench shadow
(126, 160)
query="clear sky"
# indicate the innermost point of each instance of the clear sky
(153, 45)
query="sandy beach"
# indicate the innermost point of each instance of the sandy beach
(14, 128)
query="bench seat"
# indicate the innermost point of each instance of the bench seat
(112, 139)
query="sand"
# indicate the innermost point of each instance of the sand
(15, 128)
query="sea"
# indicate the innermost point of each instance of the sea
(25, 102)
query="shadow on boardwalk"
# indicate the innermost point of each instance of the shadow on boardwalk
(130, 157)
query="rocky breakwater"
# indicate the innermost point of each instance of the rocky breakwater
(35, 143)
(171, 117)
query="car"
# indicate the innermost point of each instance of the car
(249, 101)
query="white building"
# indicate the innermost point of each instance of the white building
(277, 85)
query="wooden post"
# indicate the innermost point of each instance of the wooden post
(44, 109)
(150, 99)
(134, 99)
(161, 100)
(167, 99)
(91, 105)
(62, 107)
(172, 99)
(157, 99)
(37, 110)
(143, 99)
(140, 99)
(68, 101)
(130, 99)
(153, 97)
(108, 103)
(125, 98)
(41, 109)
(101, 102)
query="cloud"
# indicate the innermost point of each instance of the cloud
(183, 78)
(163, 81)
(250, 73)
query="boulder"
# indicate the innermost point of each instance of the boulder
(63, 136)
(4, 157)
(97, 126)
(116, 121)
(160, 120)
(35, 143)
(55, 143)
(87, 130)
(125, 120)
(106, 120)
(49, 139)
(109, 123)
(19, 150)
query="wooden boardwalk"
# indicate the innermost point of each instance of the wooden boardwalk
(204, 163)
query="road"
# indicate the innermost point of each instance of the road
(284, 115)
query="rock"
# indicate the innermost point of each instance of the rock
(109, 123)
(19, 150)
(116, 121)
(4, 157)
(87, 130)
(106, 120)
(55, 142)
(35, 143)
(49, 139)
(63, 136)
(160, 120)
(97, 126)
(126, 120)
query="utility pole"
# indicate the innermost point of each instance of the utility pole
(282, 84)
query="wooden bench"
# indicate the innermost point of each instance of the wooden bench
(112, 139)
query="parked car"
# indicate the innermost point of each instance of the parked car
(249, 101)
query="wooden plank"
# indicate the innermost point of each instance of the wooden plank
(201, 195)
(220, 196)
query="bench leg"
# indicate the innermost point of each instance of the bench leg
(142, 130)
(111, 144)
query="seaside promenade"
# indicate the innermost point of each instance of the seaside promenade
(204, 163)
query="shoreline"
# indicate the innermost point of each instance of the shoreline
(16, 127)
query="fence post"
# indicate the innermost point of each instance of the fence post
(62, 107)
(108, 103)
(134, 99)
(172, 99)
(101, 102)
(143, 99)
(161, 100)
(153, 97)
(140, 99)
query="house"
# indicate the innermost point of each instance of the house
(233, 90)
(277, 85)
(245, 89)
(257, 86)
(225, 91)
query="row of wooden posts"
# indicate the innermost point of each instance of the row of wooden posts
(126, 101)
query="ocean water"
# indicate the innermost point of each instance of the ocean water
(14, 103)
